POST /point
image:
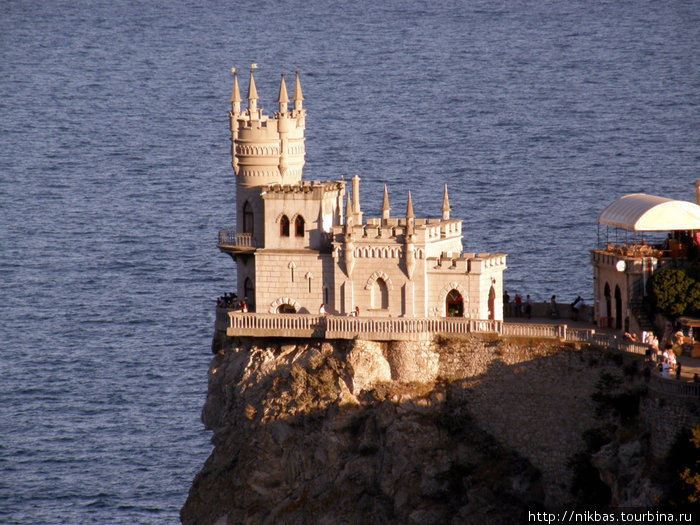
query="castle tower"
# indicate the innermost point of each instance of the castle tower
(267, 150)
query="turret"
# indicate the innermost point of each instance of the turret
(233, 118)
(445, 206)
(297, 96)
(357, 213)
(283, 98)
(252, 96)
(267, 150)
(409, 247)
(349, 257)
(385, 206)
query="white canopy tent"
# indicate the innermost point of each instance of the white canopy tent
(641, 212)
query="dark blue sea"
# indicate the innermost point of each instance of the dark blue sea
(115, 177)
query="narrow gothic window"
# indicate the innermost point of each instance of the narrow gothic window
(299, 226)
(247, 218)
(284, 226)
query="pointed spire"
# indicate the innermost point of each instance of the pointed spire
(235, 93)
(297, 96)
(409, 207)
(385, 205)
(445, 206)
(348, 212)
(252, 92)
(283, 98)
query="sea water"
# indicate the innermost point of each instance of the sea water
(115, 178)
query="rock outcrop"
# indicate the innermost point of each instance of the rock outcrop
(473, 431)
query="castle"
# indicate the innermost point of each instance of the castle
(300, 244)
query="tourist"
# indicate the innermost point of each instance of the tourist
(553, 308)
(506, 304)
(528, 306)
(322, 310)
(574, 309)
(518, 305)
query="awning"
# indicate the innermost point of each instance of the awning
(640, 212)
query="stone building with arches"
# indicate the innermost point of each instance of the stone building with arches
(300, 244)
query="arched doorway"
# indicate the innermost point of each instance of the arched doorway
(454, 304)
(249, 293)
(492, 303)
(618, 308)
(380, 295)
(286, 309)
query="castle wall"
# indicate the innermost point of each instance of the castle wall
(298, 278)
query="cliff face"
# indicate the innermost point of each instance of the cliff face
(342, 432)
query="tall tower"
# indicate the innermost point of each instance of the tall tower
(267, 150)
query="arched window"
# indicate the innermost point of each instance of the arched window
(247, 218)
(249, 293)
(284, 226)
(299, 226)
(618, 308)
(286, 309)
(608, 305)
(454, 304)
(380, 295)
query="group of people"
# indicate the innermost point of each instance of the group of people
(231, 301)
(519, 306)
(666, 362)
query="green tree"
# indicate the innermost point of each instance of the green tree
(675, 292)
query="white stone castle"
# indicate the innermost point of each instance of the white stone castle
(297, 246)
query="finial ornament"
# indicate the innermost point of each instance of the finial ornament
(445, 205)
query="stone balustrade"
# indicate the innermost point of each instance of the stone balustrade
(410, 329)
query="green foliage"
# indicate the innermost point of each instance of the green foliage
(683, 463)
(675, 292)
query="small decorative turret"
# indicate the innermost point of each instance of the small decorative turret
(410, 217)
(356, 199)
(233, 117)
(349, 256)
(252, 95)
(283, 98)
(297, 96)
(235, 95)
(445, 206)
(385, 206)
(409, 251)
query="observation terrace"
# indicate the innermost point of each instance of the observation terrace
(303, 326)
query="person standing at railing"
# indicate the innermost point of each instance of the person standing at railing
(322, 309)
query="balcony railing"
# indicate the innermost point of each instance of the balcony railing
(411, 329)
(236, 240)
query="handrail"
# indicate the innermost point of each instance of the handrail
(398, 328)
(424, 328)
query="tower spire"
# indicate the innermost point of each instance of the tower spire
(445, 206)
(410, 218)
(385, 205)
(283, 98)
(297, 96)
(235, 94)
(252, 92)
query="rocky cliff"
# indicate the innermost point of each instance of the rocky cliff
(348, 431)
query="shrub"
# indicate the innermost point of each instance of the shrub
(675, 292)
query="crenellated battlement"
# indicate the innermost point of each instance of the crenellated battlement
(264, 149)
